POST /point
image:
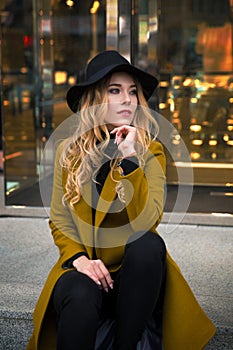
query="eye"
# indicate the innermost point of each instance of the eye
(114, 91)
(133, 92)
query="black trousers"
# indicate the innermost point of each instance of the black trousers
(136, 297)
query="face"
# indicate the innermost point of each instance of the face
(122, 100)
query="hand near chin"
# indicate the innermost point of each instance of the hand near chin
(126, 136)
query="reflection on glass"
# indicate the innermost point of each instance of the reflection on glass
(196, 89)
(45, 47)
(18, 96)
(145, 45)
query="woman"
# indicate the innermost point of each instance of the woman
(107, 290)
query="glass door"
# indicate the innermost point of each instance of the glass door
(45, 46)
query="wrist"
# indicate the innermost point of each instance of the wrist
(128, 153)
(79, 259)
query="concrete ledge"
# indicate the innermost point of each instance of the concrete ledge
(213, 219)
(204, 254)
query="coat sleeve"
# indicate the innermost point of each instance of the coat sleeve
(144, 190)
(63, 229)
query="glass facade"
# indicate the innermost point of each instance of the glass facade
(195, 58)
(188, 44)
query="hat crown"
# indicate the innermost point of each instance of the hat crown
(103, 60)
(100, 66)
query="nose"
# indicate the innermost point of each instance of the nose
(126, 99)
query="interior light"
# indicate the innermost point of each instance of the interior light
(176, 120)
(211, 85)
(194, 100)
(213, 142)
(175, 142)
(24, 70)
(26, 99)
(213, 155)
(60, 77)
(163, 84)
(162, 105)
(231, 99)
(226, 137)
(94, 7)
(195, 155)
(71, 80)
(187, 82)
(197, 142)
(70, 3)
(24, 138)
(230, 142)
(172, 105)
(197, 82)
(176, 139)
(195, 128)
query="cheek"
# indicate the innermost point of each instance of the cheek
(113, 98)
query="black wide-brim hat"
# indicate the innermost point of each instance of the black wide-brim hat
(103, 64)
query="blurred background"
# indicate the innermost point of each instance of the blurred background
(44, 48)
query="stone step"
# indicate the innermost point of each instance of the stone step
(16, 329)
(27, 252)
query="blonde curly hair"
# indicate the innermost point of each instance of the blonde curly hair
(84, 151)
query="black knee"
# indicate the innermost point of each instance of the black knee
(77, 291)
(146, 248)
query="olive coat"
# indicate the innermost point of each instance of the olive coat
(185, 325)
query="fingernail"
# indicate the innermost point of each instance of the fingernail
(106, 290)
(111, 285)
(99, 283)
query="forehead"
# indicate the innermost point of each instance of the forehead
(122, 78)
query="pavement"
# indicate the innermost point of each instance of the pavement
(203, 252)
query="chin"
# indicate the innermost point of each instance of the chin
(123, 122)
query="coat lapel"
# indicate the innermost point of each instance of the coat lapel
(106, 199)
(83, 218)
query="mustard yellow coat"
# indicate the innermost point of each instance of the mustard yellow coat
(185, 325)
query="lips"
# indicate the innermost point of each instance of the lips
(125, 112)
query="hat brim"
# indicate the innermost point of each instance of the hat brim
(147, 81)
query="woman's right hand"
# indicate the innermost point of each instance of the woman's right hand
(96, 270)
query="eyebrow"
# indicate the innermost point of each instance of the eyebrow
(117, 84)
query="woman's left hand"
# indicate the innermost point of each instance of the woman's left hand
(126, 136)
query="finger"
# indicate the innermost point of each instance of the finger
(113, 131)
(120, 129)
(101, 277)
(93, 276)
(107, 275)
(103, 274)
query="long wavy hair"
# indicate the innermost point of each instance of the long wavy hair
(84, 151)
